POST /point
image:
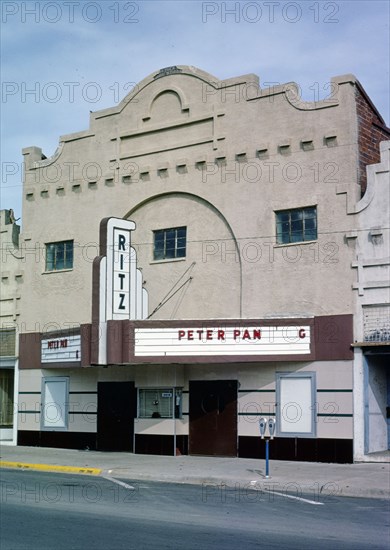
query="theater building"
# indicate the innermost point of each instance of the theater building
(189, 270)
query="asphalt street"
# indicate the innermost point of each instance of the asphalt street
(366, 480)
(47, 511)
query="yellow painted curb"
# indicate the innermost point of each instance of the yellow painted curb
(50, 468)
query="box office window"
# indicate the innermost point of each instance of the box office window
(55, 403)
(59, 256)
(297, 225)
(295, 411)
(159, 403)
(170, 243)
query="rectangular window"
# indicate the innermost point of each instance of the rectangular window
(59, 256)
(55, 403)
(170, 243)
(298, 225)
(296, 411)
(159, 403)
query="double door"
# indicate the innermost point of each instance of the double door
(213, 418)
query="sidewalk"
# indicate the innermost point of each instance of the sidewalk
(371, 480)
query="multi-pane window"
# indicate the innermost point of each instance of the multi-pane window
(159, 403)
(170, 243)
(59, 256)
(294, 226)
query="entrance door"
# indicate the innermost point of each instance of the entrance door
(213, 418)
(117, 407)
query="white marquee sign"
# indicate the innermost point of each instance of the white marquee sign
(267, 340)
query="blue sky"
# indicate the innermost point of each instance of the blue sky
(81, 56)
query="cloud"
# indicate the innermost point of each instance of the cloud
(78, 57)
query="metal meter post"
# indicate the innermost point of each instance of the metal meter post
(263, 424)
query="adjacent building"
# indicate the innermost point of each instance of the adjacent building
(10, 294)
(371, 241)
(191, 267)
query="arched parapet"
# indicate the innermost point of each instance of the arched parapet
(211, 82)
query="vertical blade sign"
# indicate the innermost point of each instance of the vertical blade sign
(121, 273)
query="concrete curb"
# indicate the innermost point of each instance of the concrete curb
(336, 489)
(332, 489)
(50, 468)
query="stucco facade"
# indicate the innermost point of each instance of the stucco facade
(219, 131)
(224, 160)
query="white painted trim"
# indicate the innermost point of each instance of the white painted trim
(138, 314)
(102, 354)
(103, 290)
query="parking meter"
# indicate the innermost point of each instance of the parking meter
(271, 426)
(262, 426)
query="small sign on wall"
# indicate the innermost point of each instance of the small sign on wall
(66, 349)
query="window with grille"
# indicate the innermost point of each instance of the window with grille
(170, 243)
(297, 225)
(59, 256)
(376, 323)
